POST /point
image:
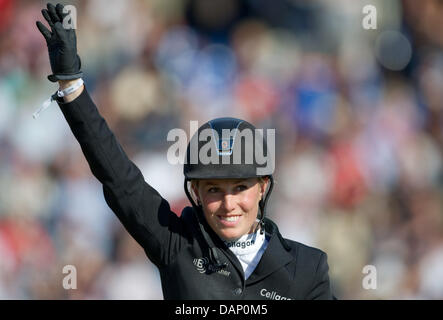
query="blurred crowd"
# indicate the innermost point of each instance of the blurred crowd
(358, 115)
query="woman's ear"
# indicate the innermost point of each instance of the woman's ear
(263, 186)
(194, 188)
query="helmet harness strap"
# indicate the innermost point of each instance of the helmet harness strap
(215, 264)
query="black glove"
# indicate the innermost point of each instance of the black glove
(62, 45)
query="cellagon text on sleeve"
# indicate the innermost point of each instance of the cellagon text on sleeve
(287, 269)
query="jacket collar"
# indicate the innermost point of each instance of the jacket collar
(217, 242)
(276, 255)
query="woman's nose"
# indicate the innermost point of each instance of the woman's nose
(229, 202)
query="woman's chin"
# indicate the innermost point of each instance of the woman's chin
(231, 235)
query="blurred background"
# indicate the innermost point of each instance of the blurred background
(359, 130)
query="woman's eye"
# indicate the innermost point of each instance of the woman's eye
(212, 190)
(241, 188)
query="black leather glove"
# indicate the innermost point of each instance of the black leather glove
(62, 45)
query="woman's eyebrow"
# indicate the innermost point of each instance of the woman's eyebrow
(207, 184)
(215, 183)
(240, 181)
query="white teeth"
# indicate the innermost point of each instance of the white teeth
(230, 219)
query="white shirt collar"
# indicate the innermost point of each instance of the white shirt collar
(249, 250)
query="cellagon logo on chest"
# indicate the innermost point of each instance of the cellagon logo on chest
(202, 266)
(241, 244)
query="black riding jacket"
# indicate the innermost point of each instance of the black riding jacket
(175, 244)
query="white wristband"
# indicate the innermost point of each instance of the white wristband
(71, 89)
(59, 93)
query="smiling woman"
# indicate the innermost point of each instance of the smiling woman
(223, 246)
(231, 206)
(230, 195)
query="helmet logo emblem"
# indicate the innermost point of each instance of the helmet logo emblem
(225, 147)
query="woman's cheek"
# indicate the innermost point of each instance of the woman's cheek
(212, 207)
(250, 201)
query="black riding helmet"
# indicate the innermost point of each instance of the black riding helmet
(228, 148)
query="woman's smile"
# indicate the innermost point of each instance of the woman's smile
(230, 205)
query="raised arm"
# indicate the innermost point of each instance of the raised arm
(143, 212)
